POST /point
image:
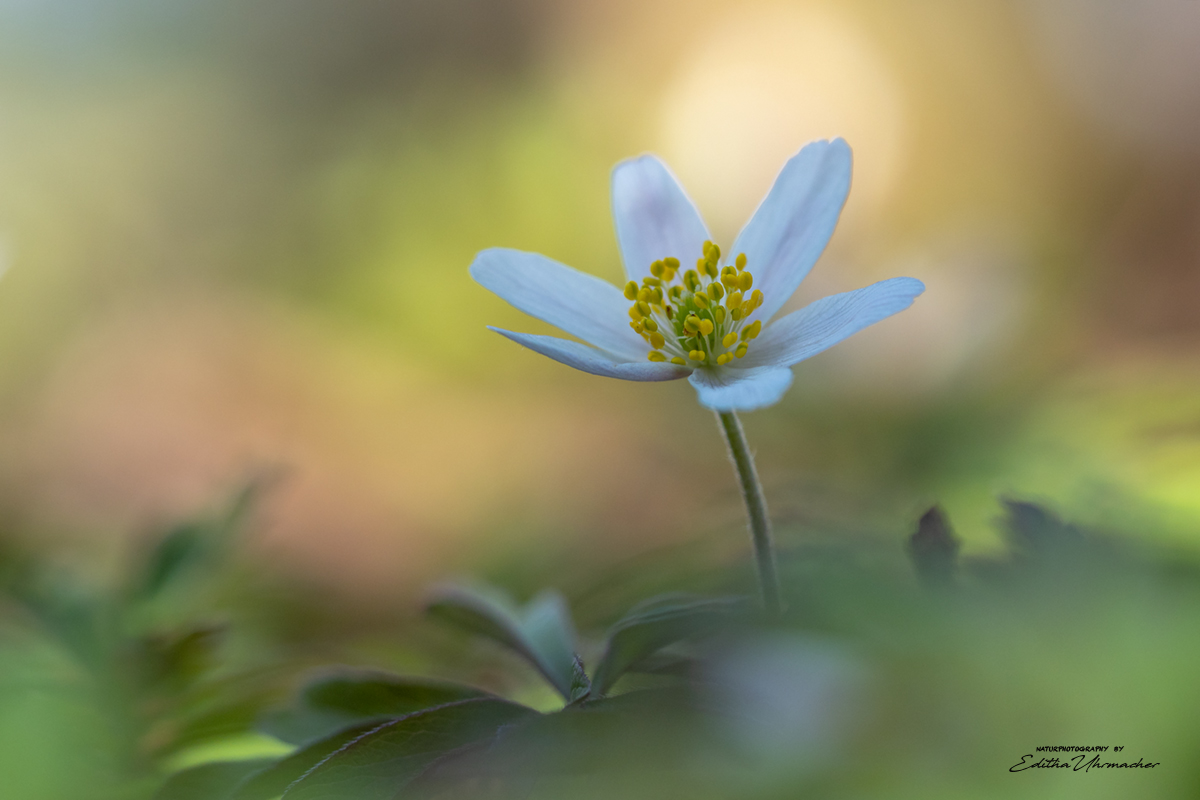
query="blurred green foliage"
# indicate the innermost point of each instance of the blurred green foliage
(873, 684)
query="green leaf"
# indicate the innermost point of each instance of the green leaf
(541, 632)
(656, 623)
(335, 700)
(208, 781)
(274, 780)
(378, 765)
(192, 544)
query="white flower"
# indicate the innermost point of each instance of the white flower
(711, 323)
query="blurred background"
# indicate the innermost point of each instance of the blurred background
(234, 240)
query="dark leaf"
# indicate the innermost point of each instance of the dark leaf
(541, 632)
(655, 624)
(378, 765)
(934, 549)
(208, 781)
(653, 728)
(273, 780)
(333, 701)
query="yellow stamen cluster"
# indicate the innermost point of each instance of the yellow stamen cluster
(703, 318)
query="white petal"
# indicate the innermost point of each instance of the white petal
(730, 389)
(654, 217)
(820, 325)
(791, 227)
(589, 359)
(578, 303)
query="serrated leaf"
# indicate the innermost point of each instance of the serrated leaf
(273, 780)
(656, 623)
(379, 764)
(208, 781)
(541, 632)
(335, 700)
(1032, 530)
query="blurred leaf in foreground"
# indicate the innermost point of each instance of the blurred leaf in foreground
(338, 699)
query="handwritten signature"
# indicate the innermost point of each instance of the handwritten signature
(1077, 763)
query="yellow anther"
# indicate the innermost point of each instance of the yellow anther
(706, 247)
(657, 293)
(631, 290)
(733, 300)
(746, 309)
(634, 313)
(724, 359)
(638, 325)
(710, 268)
(679, 361)
(745, 281)
(692, 323)
(713, 253)
(651, 281)
(697, 355)
(644, 295)
(700, 299)
(740, 261)
(657, 340)
(756, 299)
(741, 351)
(706, 327)
(752, 331)
(654, 355)
(716, 291)
(735, 313)
(691, 279)
(657, 269)
(649, 324)
(644, 307)
(671, 263)
(675, 292)
(730, 339)
(718, 313)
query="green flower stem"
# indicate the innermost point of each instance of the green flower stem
(756, 510)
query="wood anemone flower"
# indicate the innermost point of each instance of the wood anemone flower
(712, 323)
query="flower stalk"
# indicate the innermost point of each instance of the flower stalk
(756, 511)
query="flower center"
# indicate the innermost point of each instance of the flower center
(703, 318)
